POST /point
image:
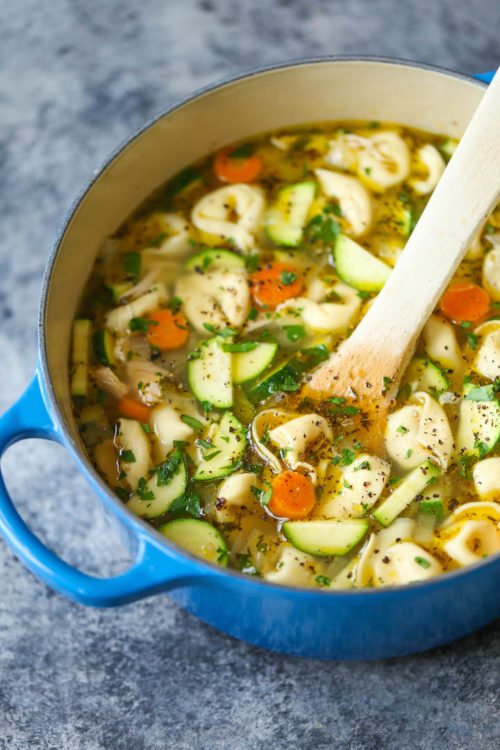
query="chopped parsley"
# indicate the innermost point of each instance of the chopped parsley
(402, 429)
(294, 333)
(243, 346)
(140, 324)
(127, 456)
(169, 468)
(252, 262)
(472, 340)
(288, 277)
(142, 492)
(245, 151)
(195, 424)
(132, 263)
(188, 503)
(422, 562)
(348, 456)
(158, 240)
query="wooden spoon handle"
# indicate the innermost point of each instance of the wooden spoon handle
(464, 197)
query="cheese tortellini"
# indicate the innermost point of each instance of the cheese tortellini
(419, 431)
(386, 162)
(231, 213)
(353, 197)
(219, 298)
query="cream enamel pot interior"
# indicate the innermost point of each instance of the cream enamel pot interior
(348, 624)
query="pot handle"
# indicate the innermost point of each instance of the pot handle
(152, 570)
(486, 77)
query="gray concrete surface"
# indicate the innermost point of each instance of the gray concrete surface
(76, 77)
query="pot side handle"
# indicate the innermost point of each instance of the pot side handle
(152, 570)
(486, 77)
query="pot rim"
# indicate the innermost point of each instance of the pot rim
(82, 461)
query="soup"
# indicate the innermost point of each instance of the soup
(210, 307)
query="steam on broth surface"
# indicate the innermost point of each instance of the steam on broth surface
(212, 304)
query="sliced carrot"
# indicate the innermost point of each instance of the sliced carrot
(465, 302)
(230, 167)
(293, 495)
(275, 283)
(130, 408)
(167, 330)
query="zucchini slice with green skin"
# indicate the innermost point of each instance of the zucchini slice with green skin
(405, 492)
(326, 538)
(157, 494)
(228, 447)
(103, 345)
(214, 259)
(209, 375)
(426, 376)
(80, 357)
(249, 365)
(198, 537)
(286, 218)
(118, 290)
(479, 422)
(358, 267)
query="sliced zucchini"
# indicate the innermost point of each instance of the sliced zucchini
(358, 267)
(448, 148)
(214, 259)
(326, 538)
(103, 345)
(243, 409)
(286, 218)
(249, 365)
(209, 375)
(118, 290)
(80, 357)
(479, 422)
(424, 375)
(155, 496)
(405, 492)
(228, 445)
(198, 537)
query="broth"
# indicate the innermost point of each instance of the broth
(212, 303)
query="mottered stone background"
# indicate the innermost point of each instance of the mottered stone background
(76, 78)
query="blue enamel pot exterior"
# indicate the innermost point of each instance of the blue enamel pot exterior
(352, 624)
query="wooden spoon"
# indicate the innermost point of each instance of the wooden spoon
(367, 367)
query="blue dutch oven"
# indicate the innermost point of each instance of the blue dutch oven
(351, 624)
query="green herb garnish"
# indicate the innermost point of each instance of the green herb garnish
(195, 424)
(288, 277)
(127, 456)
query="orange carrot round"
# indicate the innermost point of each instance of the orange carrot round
(275, 283)
(292, 496)
(133, 409)
(465, 302)
(167, 330)
(234, 168)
